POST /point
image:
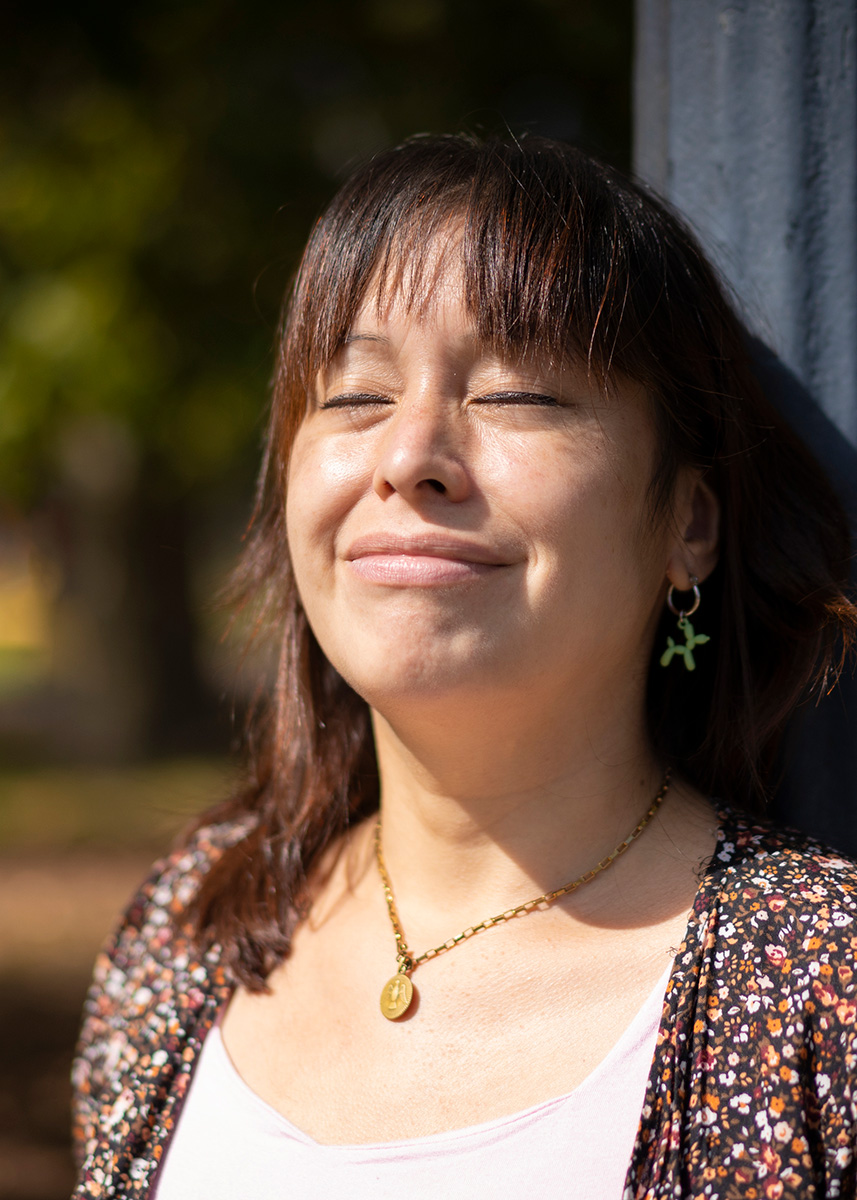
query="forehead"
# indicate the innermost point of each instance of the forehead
(441, 334)
(430, 298)
(418, 280)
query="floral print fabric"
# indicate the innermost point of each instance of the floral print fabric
(752, 1088)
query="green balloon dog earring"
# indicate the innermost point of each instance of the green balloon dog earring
(691, 639)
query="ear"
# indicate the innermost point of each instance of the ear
(697, 530)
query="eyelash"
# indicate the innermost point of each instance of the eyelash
(535, 398)
(355, 400)
(362, 399)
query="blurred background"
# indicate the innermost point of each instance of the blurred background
(160, 166)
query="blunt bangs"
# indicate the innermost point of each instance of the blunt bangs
(545, 238)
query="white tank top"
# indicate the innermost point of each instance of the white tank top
(230, 1145)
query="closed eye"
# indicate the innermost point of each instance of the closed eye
(518, 398)
(354, 400)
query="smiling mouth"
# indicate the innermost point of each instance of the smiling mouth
(405, 562)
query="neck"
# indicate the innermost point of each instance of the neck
(480, 814)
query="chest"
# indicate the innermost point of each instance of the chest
(493, 1029)
(228, 1143)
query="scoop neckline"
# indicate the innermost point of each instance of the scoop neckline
(655, 997)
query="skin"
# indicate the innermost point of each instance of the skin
(476, 554)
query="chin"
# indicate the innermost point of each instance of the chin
(391, 676)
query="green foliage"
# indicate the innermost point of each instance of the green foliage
(90, 191)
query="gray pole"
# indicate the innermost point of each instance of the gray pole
(746, 120)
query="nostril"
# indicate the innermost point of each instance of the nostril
(437, 485)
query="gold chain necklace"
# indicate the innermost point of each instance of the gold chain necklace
(398, 992)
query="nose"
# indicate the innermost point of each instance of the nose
(423, 453)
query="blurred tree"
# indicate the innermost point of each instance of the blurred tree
(161, 165)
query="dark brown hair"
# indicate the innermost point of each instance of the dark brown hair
(563, 257)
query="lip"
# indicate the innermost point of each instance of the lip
(420, 561)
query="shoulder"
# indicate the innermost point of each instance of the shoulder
(151, 986)
(151, 940)
(780, 913)
(761, 1018)
(755, 859)
(154, 917)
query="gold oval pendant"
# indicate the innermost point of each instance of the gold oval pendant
(396, 996)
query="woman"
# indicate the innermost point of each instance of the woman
(515, 445)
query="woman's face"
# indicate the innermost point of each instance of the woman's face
(459, 523)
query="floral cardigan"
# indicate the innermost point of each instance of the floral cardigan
(752, 1087)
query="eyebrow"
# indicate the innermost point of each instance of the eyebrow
(351, 338)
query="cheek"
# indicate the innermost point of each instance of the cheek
(566, 495)
(307, 503)
(587, 511)
(324, 481)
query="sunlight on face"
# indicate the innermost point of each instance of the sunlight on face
(463, 524)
